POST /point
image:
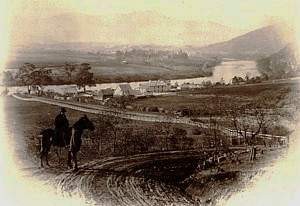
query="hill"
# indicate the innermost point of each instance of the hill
(258, 43)
(282, 64)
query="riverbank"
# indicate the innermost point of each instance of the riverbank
(110, 77)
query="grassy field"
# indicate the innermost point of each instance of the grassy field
(107, 68)
(205, 101)
(134, 72)
(132, 137)
(117, 72)
(248, 90)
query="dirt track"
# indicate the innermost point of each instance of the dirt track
(115, 181)
(97, 109)
(118, 180)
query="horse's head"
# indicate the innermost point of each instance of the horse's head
(87, 124)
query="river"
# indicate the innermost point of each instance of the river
(226, 71)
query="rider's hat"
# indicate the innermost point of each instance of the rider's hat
(63, 109)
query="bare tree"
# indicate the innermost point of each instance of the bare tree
(249, 121)
(214, 130)
(164, 131)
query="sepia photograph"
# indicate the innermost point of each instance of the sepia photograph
(149, 102)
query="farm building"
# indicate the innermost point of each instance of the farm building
(159, 86)
(104, 94)
(124, 90)
(70, 91)
(187, 86)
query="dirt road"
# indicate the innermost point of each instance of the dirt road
(116, 181)
(98, 109)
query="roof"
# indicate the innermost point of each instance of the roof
(82, 94)
(126, 89)
(143, 85)
(159, 83)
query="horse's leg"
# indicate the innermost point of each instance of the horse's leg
(47, 153)
(70, 159)
(42, 150)
(75, 161)
(47, 162)
(57, 154)
(60, 154)
(41, 156)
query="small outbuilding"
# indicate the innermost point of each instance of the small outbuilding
(104, 94)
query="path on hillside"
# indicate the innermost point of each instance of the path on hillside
(99, 109)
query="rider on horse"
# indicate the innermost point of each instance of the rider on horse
(61, 126)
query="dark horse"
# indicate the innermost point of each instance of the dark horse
(72, 140)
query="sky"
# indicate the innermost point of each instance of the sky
(169, 22)
(161, 22)
(236, 13)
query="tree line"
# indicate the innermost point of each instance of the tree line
(33, 76)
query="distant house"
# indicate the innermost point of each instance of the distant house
(104, 94)
(159, 86)
(124, 90)
(35, 89)
(187, 86)
(70, 91)
(85, 96)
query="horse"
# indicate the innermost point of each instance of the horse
(71, 139)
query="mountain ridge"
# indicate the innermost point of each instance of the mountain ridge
(258, 43)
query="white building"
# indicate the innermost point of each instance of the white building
(124, 90)
(159, 86)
